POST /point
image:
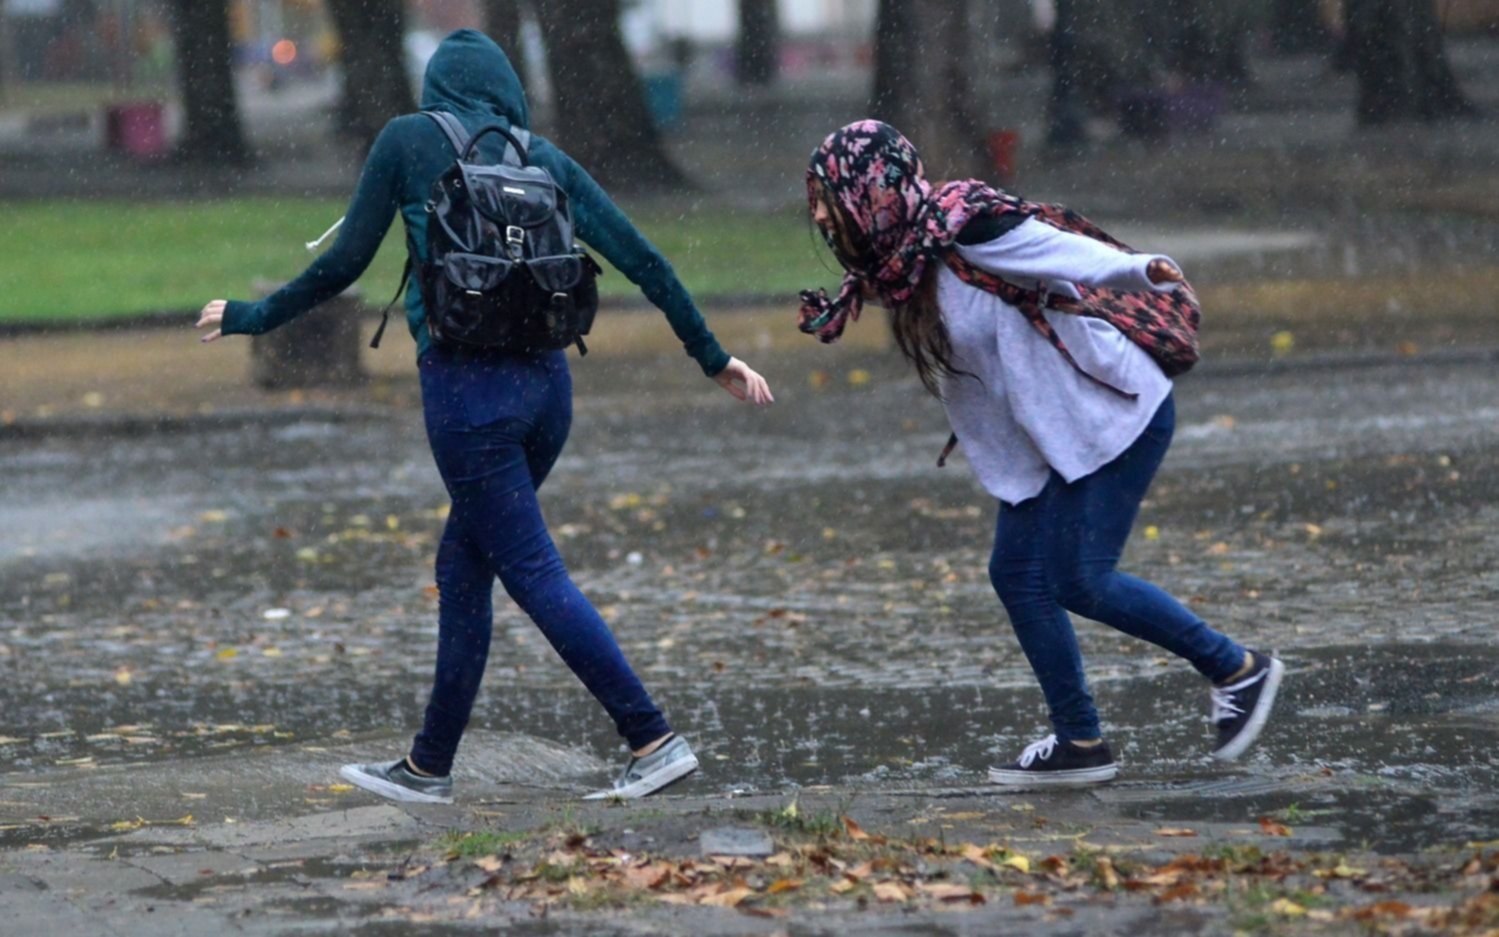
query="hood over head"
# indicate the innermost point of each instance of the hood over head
(470, 76)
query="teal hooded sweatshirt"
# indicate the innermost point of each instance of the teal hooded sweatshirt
(470, 77)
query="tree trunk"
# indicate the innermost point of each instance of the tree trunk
(502, 20)
(921, 82)
(372, 36)
(1207, 40)
(1398, 56)
(1066, 113)
(758, 46)
(1296, 26)
(205, 75)
(602, 119)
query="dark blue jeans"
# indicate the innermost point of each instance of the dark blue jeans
(1056, 553)
(497, 424)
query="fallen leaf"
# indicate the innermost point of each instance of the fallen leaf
(1287, 907)
(1175, 831)
(1023, 898)
(1106, 874)
(1383, 909)
(891, 891)
(227, 653)
(950, 891)
(976, 855)
(1342, 870)
(727, 899)
(1184, 890)
(1271, 828)
(855, 832)
(858, 377)
(841, 886)
(1017, 862)
(783, 885)
(340, 788)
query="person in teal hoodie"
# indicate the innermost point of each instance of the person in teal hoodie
(496, 423)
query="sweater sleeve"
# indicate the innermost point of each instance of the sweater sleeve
(370, 214)
(1035, 250)
(602, 225)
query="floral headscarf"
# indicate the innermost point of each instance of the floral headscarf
(876, 177)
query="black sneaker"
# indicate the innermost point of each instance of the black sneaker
(1241, 708)
(1051, 763)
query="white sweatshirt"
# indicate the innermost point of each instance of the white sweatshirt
(1030, 412)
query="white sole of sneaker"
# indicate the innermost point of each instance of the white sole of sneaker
(386, 789)
(1258, 718)
(651, 783)
(1052, 780)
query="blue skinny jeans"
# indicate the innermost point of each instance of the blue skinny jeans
(1057, 553)
(496, 424)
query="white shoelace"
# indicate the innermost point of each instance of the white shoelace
(1224, 706)
(1041, 749)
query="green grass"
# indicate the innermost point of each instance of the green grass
(487, 843)
(84, 260)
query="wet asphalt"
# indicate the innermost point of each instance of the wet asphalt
(802, 589)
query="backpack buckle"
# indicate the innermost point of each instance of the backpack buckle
(515, 236)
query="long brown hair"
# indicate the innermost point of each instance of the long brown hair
(917, 324)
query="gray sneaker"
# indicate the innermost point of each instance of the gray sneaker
(397, 782)
(644, 776)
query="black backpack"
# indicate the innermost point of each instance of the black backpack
(502, 269)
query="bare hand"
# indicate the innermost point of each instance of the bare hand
(741, 380)
(212, 315)
(1163, 271)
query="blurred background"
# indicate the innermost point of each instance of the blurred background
(156, 154)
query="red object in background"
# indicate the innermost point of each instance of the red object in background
(138, 129)
(1004, 147)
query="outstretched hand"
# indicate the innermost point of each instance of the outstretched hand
(1163, 271)
(212, 316)
(741, 380)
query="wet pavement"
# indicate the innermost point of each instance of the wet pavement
(801, 588)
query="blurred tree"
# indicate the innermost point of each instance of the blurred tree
(922, 84)
(205, 76)
(602, 118)
(376, 86)
(1066, 113)
(1296, 26)
(1398, 55)
(502, 20)
(758, 47)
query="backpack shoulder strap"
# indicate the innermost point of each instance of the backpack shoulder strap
(451, 128)
(523, 137)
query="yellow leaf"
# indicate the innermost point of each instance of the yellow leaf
(1287, 907)
(1282, 342)
(1152, 532)
(123, 676)
(271, 651)
(213, 517)
(841, 886)
(340, 788)
(858, 377)
(1017, 862)
(227, 653)
(783, 884)
(1175, 831)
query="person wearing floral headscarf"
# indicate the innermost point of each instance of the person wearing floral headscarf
(1052, 347)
